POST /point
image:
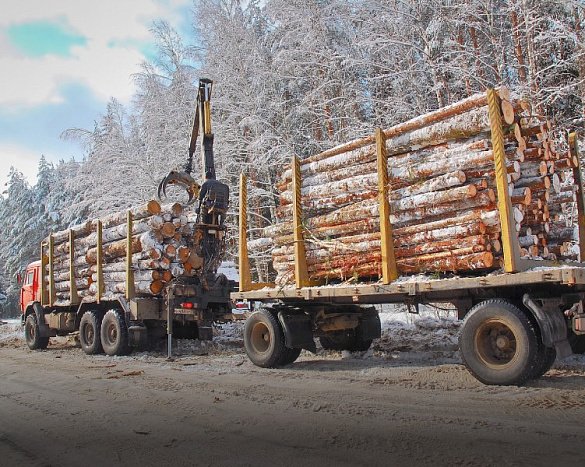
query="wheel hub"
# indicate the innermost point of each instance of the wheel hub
(502, 342)
(495, 343)
(112, 333)
(260, 337)
(89, 335)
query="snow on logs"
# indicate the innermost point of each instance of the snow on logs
(442, 195)
(162, 243)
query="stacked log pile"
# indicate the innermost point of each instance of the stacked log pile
(163, 246)
(442, 194)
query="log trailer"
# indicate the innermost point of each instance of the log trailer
(516, 322)
(113, 322)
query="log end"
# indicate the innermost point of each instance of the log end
(508, 112)
(177, 209)
(153, 207)
(156, 287)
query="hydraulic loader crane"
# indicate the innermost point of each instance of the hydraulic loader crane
(212, 195)
(201, 123)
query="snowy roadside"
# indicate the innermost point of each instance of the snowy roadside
(429, 337)
(401, 332)
(10, 332)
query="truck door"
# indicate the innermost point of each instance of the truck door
(27, 291)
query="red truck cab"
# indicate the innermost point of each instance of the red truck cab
(30, 288)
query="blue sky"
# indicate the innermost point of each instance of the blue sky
(61, 61)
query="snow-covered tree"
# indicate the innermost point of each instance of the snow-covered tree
(19, 227)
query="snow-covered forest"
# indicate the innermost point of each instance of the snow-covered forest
(294, 77)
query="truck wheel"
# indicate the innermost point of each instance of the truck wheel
(32, 334)
(498, 343)
(345, 341)
(89, 332)
(289, 356)
(114, 334)
(264, 340)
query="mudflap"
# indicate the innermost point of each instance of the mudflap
(204, 331)
(298, 332)
(138, 335)
(553, 326)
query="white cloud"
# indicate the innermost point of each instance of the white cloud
(106, 70)
(22, 159)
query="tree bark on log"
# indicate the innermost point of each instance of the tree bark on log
(466, 105)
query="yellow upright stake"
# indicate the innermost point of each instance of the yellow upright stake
(43, 280)
(389, 268)
(52, 292)
(130, 292)
(100, 266)
(510, 245)
(74, 298)
(578, 181)
(243, 260)
(301, 273)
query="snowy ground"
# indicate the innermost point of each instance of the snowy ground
(407, 338)
(10, 332)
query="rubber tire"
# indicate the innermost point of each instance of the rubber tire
(31, 334)
(544, 360)
(289, 356)
(523, 364)
(93, 319)
(114, 334)
(274, 353)
(345, 341)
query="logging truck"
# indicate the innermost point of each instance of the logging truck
(490, 238)
(132, 277)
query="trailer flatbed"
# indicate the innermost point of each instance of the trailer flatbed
(563, 278)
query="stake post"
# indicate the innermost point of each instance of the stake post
(43, 281)
(52, 292)
(578, 180)
(389, 268)
(243, 260)
(510, 245)
(301, 272)
(130, 292)
(74, 297)
(100, 266)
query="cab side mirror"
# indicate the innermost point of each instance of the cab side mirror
(19, 277)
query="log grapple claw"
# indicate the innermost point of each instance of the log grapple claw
(182, 179)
